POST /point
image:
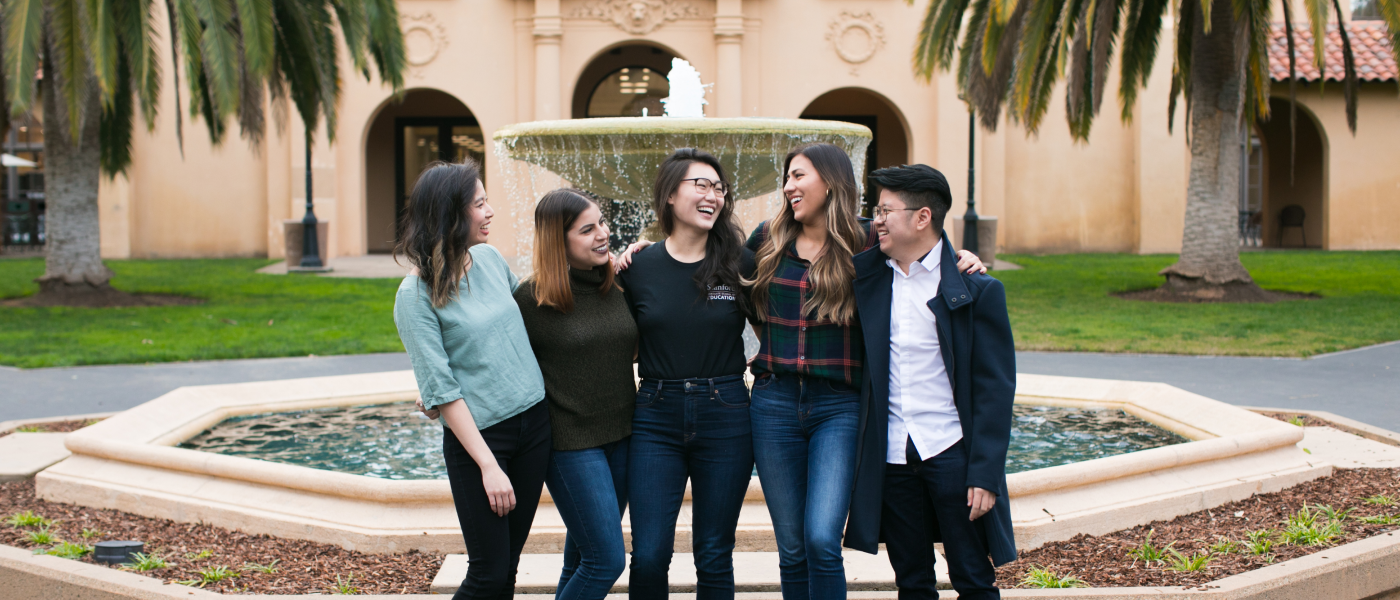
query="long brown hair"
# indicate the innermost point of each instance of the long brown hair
(437, 228)
(830, 276)
(554, 217)
(724, 247)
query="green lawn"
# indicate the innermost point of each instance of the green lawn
(246, 315)
(1057, 303)
(1063, 302)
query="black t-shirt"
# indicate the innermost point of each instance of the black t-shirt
(684, 332)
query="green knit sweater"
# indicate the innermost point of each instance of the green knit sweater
(586, 359)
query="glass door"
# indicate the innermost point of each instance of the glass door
(421, 141)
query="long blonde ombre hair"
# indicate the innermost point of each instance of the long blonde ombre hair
(832, 297)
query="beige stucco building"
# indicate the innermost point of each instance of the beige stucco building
(479, 65)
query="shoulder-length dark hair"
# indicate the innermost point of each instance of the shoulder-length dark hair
(555, 215)
(832, 295)
(725, 247)
(437, 228)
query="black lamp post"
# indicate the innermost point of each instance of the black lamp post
(970, 217)
(310, 246)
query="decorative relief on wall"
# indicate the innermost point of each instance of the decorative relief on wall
(424, 38)
(637, 17)
(856, 37)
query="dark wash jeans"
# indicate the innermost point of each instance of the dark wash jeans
(521, 446)
(589, 487)
(930, 496)
(696, 429)
(805, 434)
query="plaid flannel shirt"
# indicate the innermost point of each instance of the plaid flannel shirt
(791, 342)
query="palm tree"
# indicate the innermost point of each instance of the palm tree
(101, 65)
(1013, 52)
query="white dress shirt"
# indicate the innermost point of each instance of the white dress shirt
(921, 397)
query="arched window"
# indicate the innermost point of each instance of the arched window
(628, 91)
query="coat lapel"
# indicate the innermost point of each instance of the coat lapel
(873, 292)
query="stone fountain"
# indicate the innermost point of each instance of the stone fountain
(616, 159)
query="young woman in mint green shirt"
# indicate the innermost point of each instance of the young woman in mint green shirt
(475, 369)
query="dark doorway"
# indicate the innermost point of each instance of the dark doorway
(622, 81)
(420, 141)
(1303, 189)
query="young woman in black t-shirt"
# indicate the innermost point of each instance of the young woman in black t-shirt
(692, 414)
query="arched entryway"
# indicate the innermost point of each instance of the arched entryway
(428, 125)
(623, 81)
(890, 146)
(1278, 193)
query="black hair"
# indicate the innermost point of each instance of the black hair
(437, 228)
(725, 246)
(920, 186)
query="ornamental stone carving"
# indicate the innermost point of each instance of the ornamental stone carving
(856, 37)
(637, 17)
(424, 39)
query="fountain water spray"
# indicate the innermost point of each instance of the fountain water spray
(687, 93)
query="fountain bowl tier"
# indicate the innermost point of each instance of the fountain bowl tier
(617, 158)
(132, 462)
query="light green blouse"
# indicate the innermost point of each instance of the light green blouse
(474, 348)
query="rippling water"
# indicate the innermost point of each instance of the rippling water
(390, 441)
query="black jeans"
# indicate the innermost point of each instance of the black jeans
(521, 446)
(926, 500)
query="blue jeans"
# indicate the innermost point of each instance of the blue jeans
(696, 429)
(805, 433)
(589, 488)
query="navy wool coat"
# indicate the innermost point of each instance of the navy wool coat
(974, 334)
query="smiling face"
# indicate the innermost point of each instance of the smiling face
(586, 242)
(804, 190)
(479, 214)
(904, 234)
(689, 207)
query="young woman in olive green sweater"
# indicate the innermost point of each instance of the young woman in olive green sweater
(584, 339)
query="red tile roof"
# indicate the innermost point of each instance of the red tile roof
(1370, 42)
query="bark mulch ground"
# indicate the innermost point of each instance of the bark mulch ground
(54, 427)
(1223, 535)
(1305, 420)
(194, 550)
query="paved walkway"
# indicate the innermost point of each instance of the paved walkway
(1362, 384)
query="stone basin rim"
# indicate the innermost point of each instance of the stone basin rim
(158, 451)
(679, 126)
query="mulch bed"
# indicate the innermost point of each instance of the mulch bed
(1104, 561)
(54, 427)
(302, 567)
(1308, 420)
(1228, 294)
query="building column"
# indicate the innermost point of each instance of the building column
(729, 38)
(549, 29)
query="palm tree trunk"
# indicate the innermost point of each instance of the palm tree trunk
(1210, 255)
(72, 169)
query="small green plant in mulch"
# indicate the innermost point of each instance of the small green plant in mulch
(1261, 542)
(90, 533)
(1332, 514)
(29, 429)
(1312, 527)
(1381, 520)
(143, 562)
(215, 574)
(1380, 500)
(1148, 553)
(267, 568)
(1196, 561)
(28, 519)
(1224, 545)
(40, 536)
(344, 586)
(198, 556)
(1298, 420)
(1047, 579)
(69, 550)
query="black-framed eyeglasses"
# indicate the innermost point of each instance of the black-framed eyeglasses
(880, 212)
(704, 186)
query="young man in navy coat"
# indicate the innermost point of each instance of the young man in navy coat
(940, 379)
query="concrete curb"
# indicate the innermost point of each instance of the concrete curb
(1352, 426)
(1363, 570)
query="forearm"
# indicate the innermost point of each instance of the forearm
(459, 419)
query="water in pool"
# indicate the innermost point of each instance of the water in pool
(390, 441)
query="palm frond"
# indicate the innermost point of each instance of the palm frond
(297, 60)
(255, 23)
(329, 71)
(135, 26)
(104, 46)
(354, 29)
(1317, 22)
(1260, 24)
(4, 98)
(176, 38)
(24, 27)
(938, 38)
(1390, 11)
(67, 32)
(115, 126)
(1140, 33)
(1181, 65)
(386, 41)
(219, 47)
(1292, 90)
(1044, 67)
(1349, 84)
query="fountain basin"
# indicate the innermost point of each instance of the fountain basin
(131, 462)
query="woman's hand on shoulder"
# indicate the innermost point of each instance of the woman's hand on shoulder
(969, 263)
(624, 259)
